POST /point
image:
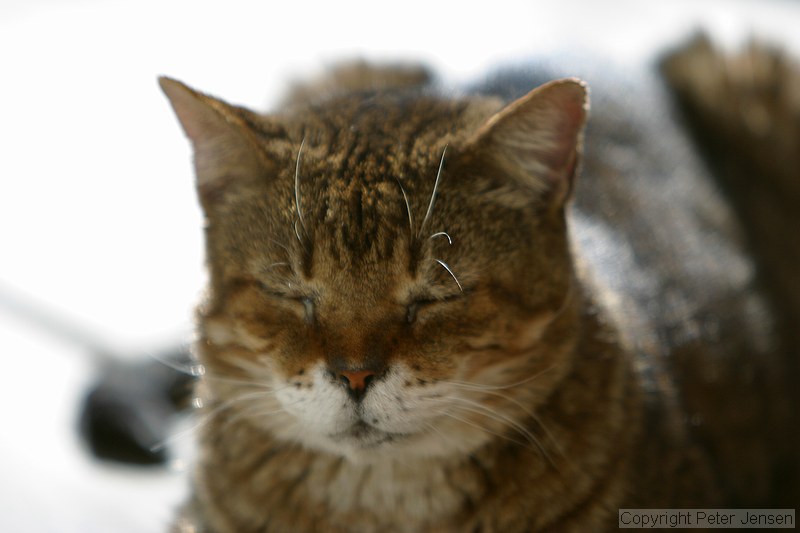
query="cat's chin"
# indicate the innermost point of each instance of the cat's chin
(362, 443)
(365, 436)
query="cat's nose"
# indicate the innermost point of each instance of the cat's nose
(357, 381)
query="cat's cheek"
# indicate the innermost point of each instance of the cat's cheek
(467, 316)
(224, 332)
(510, 334)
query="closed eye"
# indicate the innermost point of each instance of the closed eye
(308, 308)
(419, 304)
(308, 302)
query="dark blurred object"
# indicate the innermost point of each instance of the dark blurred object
(352, 76)
(128, 414)
(743, 110)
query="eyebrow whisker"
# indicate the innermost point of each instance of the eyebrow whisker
(440, 234)
(451, 273)
(273, 265)
(297, 232)
(297, 188)
(433, 192)
(408, 206)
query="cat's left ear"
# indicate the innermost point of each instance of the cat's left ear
(226, 152)
(536, 141)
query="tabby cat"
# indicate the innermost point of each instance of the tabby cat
(410, 325)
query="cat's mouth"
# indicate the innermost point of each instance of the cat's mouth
(366, 436)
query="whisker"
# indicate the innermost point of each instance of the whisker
(534, 417)
(297, 187)
(273, 265)
(242, 398)
(408, 206)
(175, 437)
(193, 369)
(260, 410)
(260, 368)
(254, 375)
(434, 429)
(451, 273)
(433, 192)
(205, 419)
(255, 411)
(479, 408)
(285, 248)
(486, 411)
(440, 234)
(297, 232)
(244, 382)
(479, 427)
(483, 387)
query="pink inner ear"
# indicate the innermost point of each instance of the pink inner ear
(537, 137)
(199, 120)
(557, 114)
(224, 155)
(567, 131)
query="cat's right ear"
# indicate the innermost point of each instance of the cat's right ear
(225, 149)
(536, 141)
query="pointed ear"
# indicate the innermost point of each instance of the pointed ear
(225, 148)
(536, 140)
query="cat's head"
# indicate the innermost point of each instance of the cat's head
(389, 273)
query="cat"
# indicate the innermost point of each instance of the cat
(471, 312)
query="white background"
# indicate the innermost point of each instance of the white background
(98, 218)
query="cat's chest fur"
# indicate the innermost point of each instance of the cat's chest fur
(336, 495)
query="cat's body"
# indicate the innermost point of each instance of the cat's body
(408, 329)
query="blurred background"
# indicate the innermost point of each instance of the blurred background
(100, 232)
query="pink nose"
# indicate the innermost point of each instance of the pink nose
(357, 380)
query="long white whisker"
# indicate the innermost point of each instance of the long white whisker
(243, 397)
(193, 369)
(234, 381)
(479, 427)
(445, 436)
(297, 232)
(433, 192)
(534, 417)
(482, 387)
(207, 417)
(163, 443)
(285, 248)
(408, 206)
(244, 382)
(273, 265)
(481, 409)
(451, 273)
(297, 186)
(440, 234)
(256, 411)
